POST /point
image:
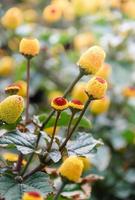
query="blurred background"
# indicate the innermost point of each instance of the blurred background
(65, 29)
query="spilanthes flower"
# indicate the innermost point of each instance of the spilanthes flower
(96, 88)
(78, 92)
(100, 106)
(12, 89)
(92, 59)
(32, 196)
(75, 104)
(12, 157)
(52, 13)
(6, 66)
(59, 103)
(11, 109)
(128, 91)
(29, 47)
(12, 18)
(72, 168)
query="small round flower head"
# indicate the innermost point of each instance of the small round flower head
(72, 168)
(12, 18)
(86, 162)
(19, 87)
(128, 92)
(75, 104)
(32, 196)
(92, 59)
(83, 40)
(96, 87)
(6, 66)
(104, 71)
(79, 92)
(12, 157)
(11, 109)
(59, 103)
(52, 13)
(100, 106)
(29, 47)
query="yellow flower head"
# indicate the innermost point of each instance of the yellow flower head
(104, 71)
(49, 130)
(32, 196)
(72, 168)
(6, 66)
(52, 13)
(100, 106)
(92, 59)
(86, 162)
(128, 7)
(29, 47)
(75, 104)
(59, 103)
(12, 157)
(128, 92)
(83, 40)
(96, 87)
(19, 87)
(53, 94)
(12, 18)
(81, 7)
(79, 92)
(30, 15)
(11, 109)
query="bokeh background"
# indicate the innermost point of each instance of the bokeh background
(65, 29)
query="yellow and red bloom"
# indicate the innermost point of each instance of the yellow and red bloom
(96, 88)
(52, 13)
(32, 196)
(75, 104)
(59, 103)
(129, 91)
(12, 89)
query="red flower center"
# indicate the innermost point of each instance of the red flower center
(100, 79)
(76, 101)
(53, 10)
(132, 88)
(34, 194)
(60, 101)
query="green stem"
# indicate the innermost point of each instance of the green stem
(54, 130)
(76, 124)
(60, 191)
(27, 95)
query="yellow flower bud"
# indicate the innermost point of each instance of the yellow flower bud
(129, 8)
(29, 47)
(79, 92)
(59, 103)
(72, 168)
(104, 71)
(128, 92)
(6, 66)
(100, 106)
(52, 13)
(49, 130)
(12, 18)
(83, 41)
(96, 87)
(86, 162)
(11, 109)
(75, 104)
(19, 87)
(12, 157)
(81, 7)
(32, 196)
(92, 59)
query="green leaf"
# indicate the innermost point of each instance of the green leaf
(83, 145)
(63, 121)
(10, 189)
(24, 142)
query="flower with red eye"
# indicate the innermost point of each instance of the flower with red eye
(59, 103)
(32, 196)
(76, 105)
